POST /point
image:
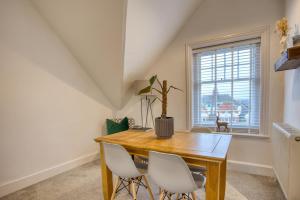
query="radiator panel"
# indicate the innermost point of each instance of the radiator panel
(286, 159)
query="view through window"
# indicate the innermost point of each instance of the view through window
(226, 81)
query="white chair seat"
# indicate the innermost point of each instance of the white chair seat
(171, 174)
(121, 164)
(119, 161)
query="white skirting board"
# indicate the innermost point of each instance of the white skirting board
(250, 168)
(31, 179)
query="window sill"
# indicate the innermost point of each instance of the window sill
(243, 135)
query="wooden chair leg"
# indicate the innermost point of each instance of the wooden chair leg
(194, 195)
(129, 185)
(115, 188)
(133, 190)
(148, 188)
(161, 194)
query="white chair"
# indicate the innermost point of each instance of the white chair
(120, 163)
(139, 161)
(172, 175)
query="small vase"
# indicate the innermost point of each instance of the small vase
(164, 127)
(283, 44)
(296, 40)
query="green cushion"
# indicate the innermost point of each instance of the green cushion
(114, 127)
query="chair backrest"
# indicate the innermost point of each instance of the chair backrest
(170, 172)
(119, 161)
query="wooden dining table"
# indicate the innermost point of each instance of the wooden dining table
(205, 150)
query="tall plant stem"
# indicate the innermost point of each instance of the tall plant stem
(164, 99)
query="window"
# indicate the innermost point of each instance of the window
(226, 81)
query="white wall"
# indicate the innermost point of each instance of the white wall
(94, 31)
(50, 110)
(292, 77)
(216, 18)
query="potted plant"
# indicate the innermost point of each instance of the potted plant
(164, 125)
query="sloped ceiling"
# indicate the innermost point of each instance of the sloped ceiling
(150, 27)
(93, 32)
(115, 41)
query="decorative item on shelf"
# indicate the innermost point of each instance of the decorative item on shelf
(290, 58)
(221, 124)
(296, 37)
(296, 40)
(282, 29)
(164, 126)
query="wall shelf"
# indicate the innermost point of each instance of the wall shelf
(290, 59)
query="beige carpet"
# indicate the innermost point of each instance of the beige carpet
(231, 194)
(83, 183)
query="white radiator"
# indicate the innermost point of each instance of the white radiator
(286, 159)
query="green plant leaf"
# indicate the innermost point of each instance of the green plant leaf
(152, 80)
(145, 90)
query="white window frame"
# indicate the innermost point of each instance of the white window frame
(264, 34)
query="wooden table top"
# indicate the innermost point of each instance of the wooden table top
(204, 145)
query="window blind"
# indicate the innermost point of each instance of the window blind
(226, 81)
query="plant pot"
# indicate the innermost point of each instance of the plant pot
(164, 127)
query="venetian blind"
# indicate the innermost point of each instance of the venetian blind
(226, 81)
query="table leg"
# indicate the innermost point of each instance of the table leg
(223, 179)
(107, 183)
(216, 181)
